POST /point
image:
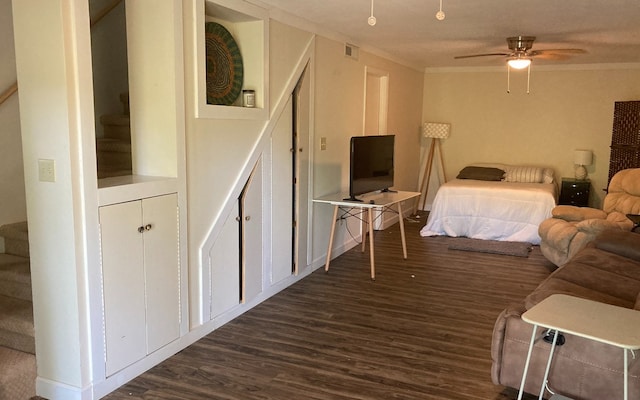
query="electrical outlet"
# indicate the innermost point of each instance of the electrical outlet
(46, 170)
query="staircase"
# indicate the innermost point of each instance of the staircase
(113, 151)
(17, 337)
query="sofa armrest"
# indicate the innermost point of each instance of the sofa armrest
(596, 226)
(573, 213)
(623, 243)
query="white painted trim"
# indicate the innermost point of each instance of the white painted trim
(383, 98)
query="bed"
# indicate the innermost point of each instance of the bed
(507, 204)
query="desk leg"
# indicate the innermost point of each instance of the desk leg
(526, 363)
(404, 241)
(373, 265)
(546, 371)
(333, 231)
(626, 375)
(364, 229)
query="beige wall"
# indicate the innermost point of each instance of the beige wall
(12, 195)
(339, 112)
(567, 109)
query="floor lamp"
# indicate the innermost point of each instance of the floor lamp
(433, 130)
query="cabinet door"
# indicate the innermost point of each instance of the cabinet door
(282, 196)
(123, 283)
(251, 204)
(224, 257)
(161, 270)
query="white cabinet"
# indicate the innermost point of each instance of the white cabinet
(236, 258)
(141, 278)
(251, 239)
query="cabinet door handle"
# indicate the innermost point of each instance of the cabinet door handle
(140, 229)
(247, 218)
(238, 219)
(147, 227)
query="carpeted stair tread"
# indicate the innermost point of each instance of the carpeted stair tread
(115, 119)
(15, 277)
(113, 145)
(16, 238)
(17, 230)
(17, 374)
(16, 316)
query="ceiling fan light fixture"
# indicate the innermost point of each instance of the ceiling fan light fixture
(519, 63)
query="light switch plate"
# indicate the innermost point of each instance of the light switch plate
(46, 170)
(323, 143)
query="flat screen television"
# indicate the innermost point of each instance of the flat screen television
(371, 165)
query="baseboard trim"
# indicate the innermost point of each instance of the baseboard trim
(57, 390)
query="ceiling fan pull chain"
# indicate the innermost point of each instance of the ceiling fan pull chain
(508, 78)
(528, 77)
(372, 20)
(440, 14)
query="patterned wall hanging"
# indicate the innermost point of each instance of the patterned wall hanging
(224, 65)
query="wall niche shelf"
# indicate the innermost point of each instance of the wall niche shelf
(249, 26)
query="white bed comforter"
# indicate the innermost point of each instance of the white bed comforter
(489, 210)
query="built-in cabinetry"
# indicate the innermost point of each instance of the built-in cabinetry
(249, 27)
(236, 256)
(140, 273)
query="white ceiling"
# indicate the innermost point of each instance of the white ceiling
(608, 30)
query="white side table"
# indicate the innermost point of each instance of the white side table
(617, 326)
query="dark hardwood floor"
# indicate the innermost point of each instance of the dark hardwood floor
(422, 330)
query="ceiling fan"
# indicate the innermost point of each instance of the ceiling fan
(520, 54)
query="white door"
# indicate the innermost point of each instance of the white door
(302, 135)
(224, 259)
(123, 284)
(282, 195)
(162, 270)
(251, 205)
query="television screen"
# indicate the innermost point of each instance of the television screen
(371, 164)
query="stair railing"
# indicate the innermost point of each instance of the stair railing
(103, 13)
(8, 93)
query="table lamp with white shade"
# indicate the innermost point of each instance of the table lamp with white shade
(433, 130)
(580, 159)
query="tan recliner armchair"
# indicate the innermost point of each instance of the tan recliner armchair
(571, 228)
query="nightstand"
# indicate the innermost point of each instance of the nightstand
(575, 192)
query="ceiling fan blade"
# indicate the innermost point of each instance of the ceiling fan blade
(535, 53)
(482, 55)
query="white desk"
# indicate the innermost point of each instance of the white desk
(617, 326)
(382, 201)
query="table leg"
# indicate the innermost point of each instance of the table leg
(333, 230)
(546, 371)
(626, 375)
(364, 229)
(526, 363)
(404, 241)
(373, 267)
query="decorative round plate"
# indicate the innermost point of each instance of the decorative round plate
(224, 65)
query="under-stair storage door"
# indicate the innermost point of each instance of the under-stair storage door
(161, 270)
(123, 275)
(224, 258)
(251, 204)
(282, 196)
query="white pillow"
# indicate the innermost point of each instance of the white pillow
(525, 175)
